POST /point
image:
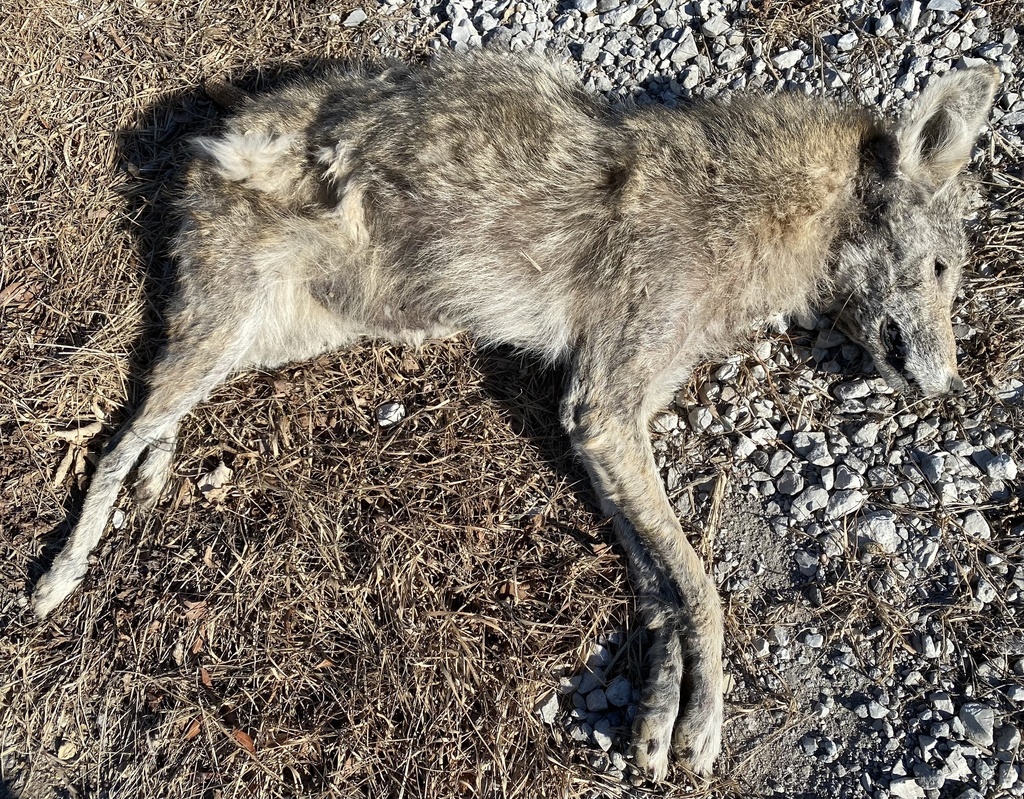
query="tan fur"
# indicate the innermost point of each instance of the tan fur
(495, 196)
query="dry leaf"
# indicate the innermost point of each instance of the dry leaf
(204, 675)
(244, 740)
(67, 751)
(214, 484)
(193, 728)
(195, 610)
(65, 466)
(81, 434)
(18, 294)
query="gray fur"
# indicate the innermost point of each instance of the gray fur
(495, 196)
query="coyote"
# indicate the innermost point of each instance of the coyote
(495, 196)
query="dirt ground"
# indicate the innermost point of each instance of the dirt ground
(356, 611)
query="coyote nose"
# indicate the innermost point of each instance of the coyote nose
(956, 386)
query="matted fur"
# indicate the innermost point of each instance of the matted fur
(494, 195)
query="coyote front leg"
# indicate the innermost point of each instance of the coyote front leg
(677, 599)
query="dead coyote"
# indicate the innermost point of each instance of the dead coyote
(496, 196)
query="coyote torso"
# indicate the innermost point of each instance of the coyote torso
(500, 199)
(495, 196)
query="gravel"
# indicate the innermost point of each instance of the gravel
(866, 534)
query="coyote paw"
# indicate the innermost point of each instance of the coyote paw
(147, 495)
(154, 472)
(652, 738)
(698, 736)
(53, 588)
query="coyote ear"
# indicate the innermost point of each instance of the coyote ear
(937, 133)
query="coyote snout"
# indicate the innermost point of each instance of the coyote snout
(912, 345)
(495, 196)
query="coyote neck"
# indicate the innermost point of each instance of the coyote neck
(773, 181)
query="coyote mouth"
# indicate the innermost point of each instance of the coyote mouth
(895, 346)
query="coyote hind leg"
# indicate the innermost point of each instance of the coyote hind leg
(183, 377)
(676, 598)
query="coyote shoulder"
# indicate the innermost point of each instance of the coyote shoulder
(495, 196)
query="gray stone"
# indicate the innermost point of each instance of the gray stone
(952, 6)
(700, 418)
(933, 467)
(906, 788)
(790, 483)
(1001, 467)
(846, 479)
(876, 710)
(590, 52)
(1008, 738)
(619, 692)
(599, 657)
(806, 562)
(853, 389)
(686, 50)
(389, 413)
(984, 591)
(955, 767)
(714, 27)
(866, 435)
(597, 701)
(925, 554)
(926, 645)
(732, 57)
(974, 523)
(357, 17)
(941, 703)
(847, 42)
(590, 680)
(843, 503)
(879, 528)
(618, 16)
(979, 723)
(603, 735)
(1007, 775)
(779, 461)
(928, 778)
(788, 59)
(909, 14)
(811, 500)
(664, 48)
(664, 423)
(813, 447)
(463, 31)
(547, 708)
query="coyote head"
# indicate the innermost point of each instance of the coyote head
(899, 265)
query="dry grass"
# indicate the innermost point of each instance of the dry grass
(360, 612)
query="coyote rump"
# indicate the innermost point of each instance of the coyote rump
(495, 196)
